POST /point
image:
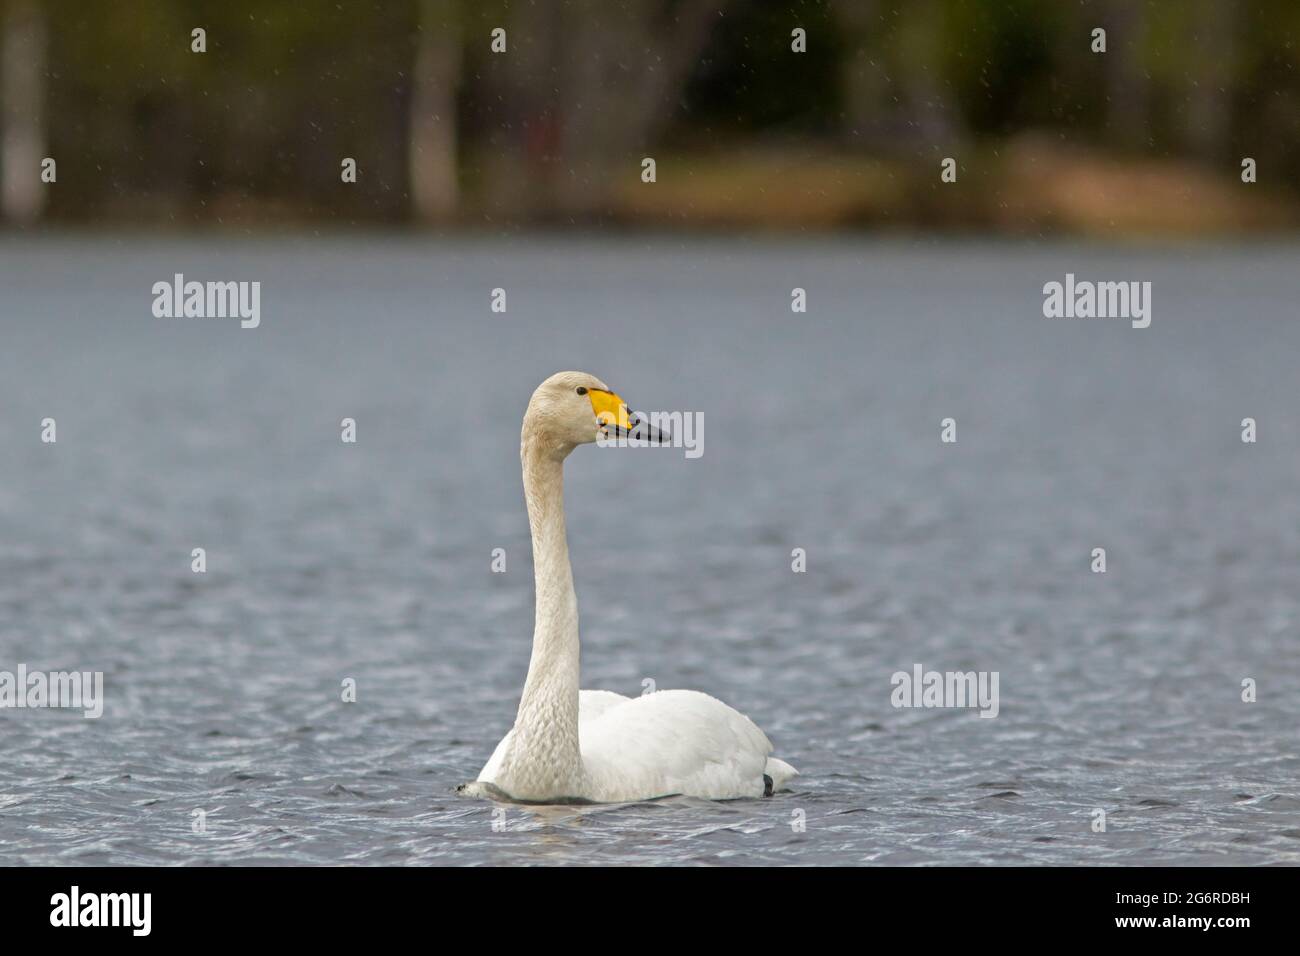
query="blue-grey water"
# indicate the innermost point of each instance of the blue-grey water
(1119, 692)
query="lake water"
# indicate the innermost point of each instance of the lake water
(1119, 692)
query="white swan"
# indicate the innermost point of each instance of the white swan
(594, 745)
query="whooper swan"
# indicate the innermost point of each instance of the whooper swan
(596, 746)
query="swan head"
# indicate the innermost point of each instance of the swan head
(574, 408)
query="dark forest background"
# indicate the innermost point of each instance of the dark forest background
(1048, 135)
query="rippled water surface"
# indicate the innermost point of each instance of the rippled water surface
(1119, 691)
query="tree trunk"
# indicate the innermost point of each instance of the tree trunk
(432, 147)
(623, 71)
(931, 116)
(22, 127)
(1208, 114)
(1127, 84)
(862, 75)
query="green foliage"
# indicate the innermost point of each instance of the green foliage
(259, 123)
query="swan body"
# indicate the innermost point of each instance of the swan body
(668, 742)
(594, 745)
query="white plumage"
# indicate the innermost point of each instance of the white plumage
(664, 743)
(596, 745)
(676, 741)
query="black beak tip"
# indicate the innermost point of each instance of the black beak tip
(647, 432)
(644, 431)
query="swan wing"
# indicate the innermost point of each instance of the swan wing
(594, 704)
(673, 742)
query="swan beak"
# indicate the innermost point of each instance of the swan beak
(614, 420)
(648, 433)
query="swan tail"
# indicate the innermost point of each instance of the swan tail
(776, 775)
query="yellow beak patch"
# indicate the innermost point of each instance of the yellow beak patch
(609, 408)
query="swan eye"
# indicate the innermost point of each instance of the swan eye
(582, 390)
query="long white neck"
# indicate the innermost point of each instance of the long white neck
(543, 760)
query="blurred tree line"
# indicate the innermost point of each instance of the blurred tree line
(553, 130)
